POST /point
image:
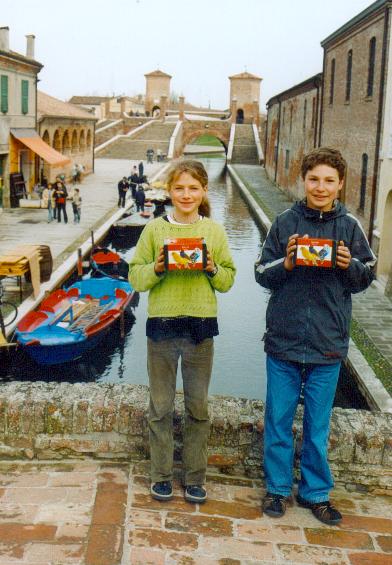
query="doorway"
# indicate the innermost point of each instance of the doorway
(240, 116)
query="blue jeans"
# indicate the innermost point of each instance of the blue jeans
(284, 383)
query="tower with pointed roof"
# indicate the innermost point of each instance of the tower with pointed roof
(157, 91)
(245, 97)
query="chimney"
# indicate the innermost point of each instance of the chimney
(30, 46)
(4, 38)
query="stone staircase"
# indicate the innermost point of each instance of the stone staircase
(245, 150)
(155, 136)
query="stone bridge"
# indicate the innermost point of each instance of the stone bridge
(192, 129)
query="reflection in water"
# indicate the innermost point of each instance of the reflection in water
(239, 363)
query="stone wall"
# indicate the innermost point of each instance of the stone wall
(55, 421)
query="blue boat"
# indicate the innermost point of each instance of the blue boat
(72, 321)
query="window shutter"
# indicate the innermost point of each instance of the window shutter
(25, 96)
(4, 94)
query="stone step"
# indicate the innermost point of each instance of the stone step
(156, 131)
(244, 134)
(125, 148)
(246, 154)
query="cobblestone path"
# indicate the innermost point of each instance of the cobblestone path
(96, 513)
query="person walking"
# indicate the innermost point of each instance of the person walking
(308, 330)
(182, 322)
(141, 169)
(122, 191)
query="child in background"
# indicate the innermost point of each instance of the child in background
(76, 201)
(181, 322)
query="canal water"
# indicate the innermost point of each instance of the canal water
(239, 362)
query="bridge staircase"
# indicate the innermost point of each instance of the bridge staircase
(245, 149)
(154, 136)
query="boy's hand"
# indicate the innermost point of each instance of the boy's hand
(343, 256)
(159, 266)
(210, 267)
(290, 250)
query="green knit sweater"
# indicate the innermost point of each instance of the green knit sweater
(181, 293)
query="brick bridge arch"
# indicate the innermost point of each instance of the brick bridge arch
(193, 129)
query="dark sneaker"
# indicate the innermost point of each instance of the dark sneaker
(274, 505)
(195, 493)
(162, 490)
(323, 511)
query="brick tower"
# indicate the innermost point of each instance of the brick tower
(157, 90)
(244, 98)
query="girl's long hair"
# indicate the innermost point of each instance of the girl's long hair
(198, 172)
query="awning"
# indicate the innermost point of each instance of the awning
(33, 141)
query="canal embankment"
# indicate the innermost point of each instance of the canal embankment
(370, 353)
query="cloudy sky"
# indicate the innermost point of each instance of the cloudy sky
(105, 46)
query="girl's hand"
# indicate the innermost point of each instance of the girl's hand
(159, 266)
(343, 256)
(210, 267)
(290, 250)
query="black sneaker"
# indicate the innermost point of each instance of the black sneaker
(274, 505)
(162, 490)
(195, 493)
(323, 511)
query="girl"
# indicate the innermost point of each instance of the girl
(182, 323)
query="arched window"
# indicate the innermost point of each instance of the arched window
(332, 81)
(372, 59)
(348, 74)
(304, 119)
(57, 141)
(82, 141)
(362, 196)
(46, 137)
(74, 141)
(66, 143)
(89, 138)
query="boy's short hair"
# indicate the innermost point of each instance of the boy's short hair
(324, 156)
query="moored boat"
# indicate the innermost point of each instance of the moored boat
(73, 321)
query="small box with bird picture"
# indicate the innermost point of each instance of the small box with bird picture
(187, 253)
(312, 252)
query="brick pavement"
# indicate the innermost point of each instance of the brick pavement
(372, 309)
(100, 513)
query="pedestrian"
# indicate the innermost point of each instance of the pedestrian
(122, 191)
(60, 196)
(150, 155)
(134, 182)
(181, 322)
(141, 169)
(140, 198)
(48, 201)
(159, 155)
(308, 328)
(76, 201)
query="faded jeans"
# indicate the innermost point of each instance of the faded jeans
(196, 367)
(284, 383)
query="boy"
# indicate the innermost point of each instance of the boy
(308, 319)
(76, 205)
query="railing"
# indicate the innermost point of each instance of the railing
(172, 143)
(260, 153)
(231, 143)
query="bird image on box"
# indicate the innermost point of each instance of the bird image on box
(323, 253)
(195, 255)
(309, 256)
(182, 259)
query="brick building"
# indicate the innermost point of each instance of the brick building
(69, 130)
(157, 93)
(245, 98)
(353, 114)
(292, 130)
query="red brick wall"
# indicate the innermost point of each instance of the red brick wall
(351, 126)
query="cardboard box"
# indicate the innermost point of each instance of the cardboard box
(312, 252)
(188, 253)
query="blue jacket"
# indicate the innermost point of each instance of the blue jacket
(309, 310)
